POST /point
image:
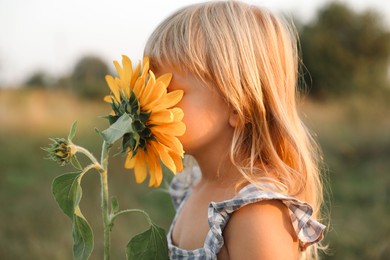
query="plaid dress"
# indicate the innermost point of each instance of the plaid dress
(308, 230)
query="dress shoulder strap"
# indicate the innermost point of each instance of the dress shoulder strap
(182, 184)
(308, 230)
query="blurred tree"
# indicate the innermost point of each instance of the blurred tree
(87, 79)
(64, 82)
(345, 52)
(39, 79)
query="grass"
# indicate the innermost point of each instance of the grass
(353, 133)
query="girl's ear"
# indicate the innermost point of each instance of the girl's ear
(234, 119)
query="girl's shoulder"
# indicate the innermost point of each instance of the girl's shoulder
(265, 226)
(254, 201)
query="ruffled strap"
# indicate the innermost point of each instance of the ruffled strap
(307, 229)
(182, 184)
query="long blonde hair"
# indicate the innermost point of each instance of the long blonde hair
(251, 57)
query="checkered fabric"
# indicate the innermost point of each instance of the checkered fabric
(308, 230)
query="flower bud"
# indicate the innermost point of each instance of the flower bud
(61, 151)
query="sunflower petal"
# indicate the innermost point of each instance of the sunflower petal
(170, 141)
(178, 161)
(108, 99)
(175, 129)
(139, 86)
(148, 90)
(165, 79)
(170, 99)
(140, 171)
(145, 69)
(178, 114)
(119, 70)
(135, 75)
(155, 170)
(165, 157)
(156, 96)
(152, 178)
(130, 161)
(127, 73)
(159, 175)
(113, 87)
(127, 65)
(162, 116)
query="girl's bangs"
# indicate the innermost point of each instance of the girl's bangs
(178, 43)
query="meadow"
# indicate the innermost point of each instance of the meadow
(354, 134)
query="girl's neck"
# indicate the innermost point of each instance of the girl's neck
(215, 163)
(217, 169)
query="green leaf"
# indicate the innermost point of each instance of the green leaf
(121, 127)
(75, 162)
(72, 132)
(82, 236)
(151, 244)
(67, 192)
(114, 205)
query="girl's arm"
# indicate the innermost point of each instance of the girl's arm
(262, 230)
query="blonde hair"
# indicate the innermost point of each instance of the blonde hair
(251, 57)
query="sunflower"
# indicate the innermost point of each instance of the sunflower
(156, 122)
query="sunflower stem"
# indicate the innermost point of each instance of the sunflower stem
(86, 153)
(104, 185)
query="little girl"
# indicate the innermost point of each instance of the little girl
(256, 191)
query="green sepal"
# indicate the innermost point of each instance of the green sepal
(116, 108)
(146, 133)
(98, 132)
(111, 119)
(138, 126)
(130, 141)
(67, 192)
(144, 116)
(134, 103)
(75, 162)
(151, 244)
(72, 131)
(82, 236)
(121, 127)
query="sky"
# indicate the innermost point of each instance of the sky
(52, 35)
